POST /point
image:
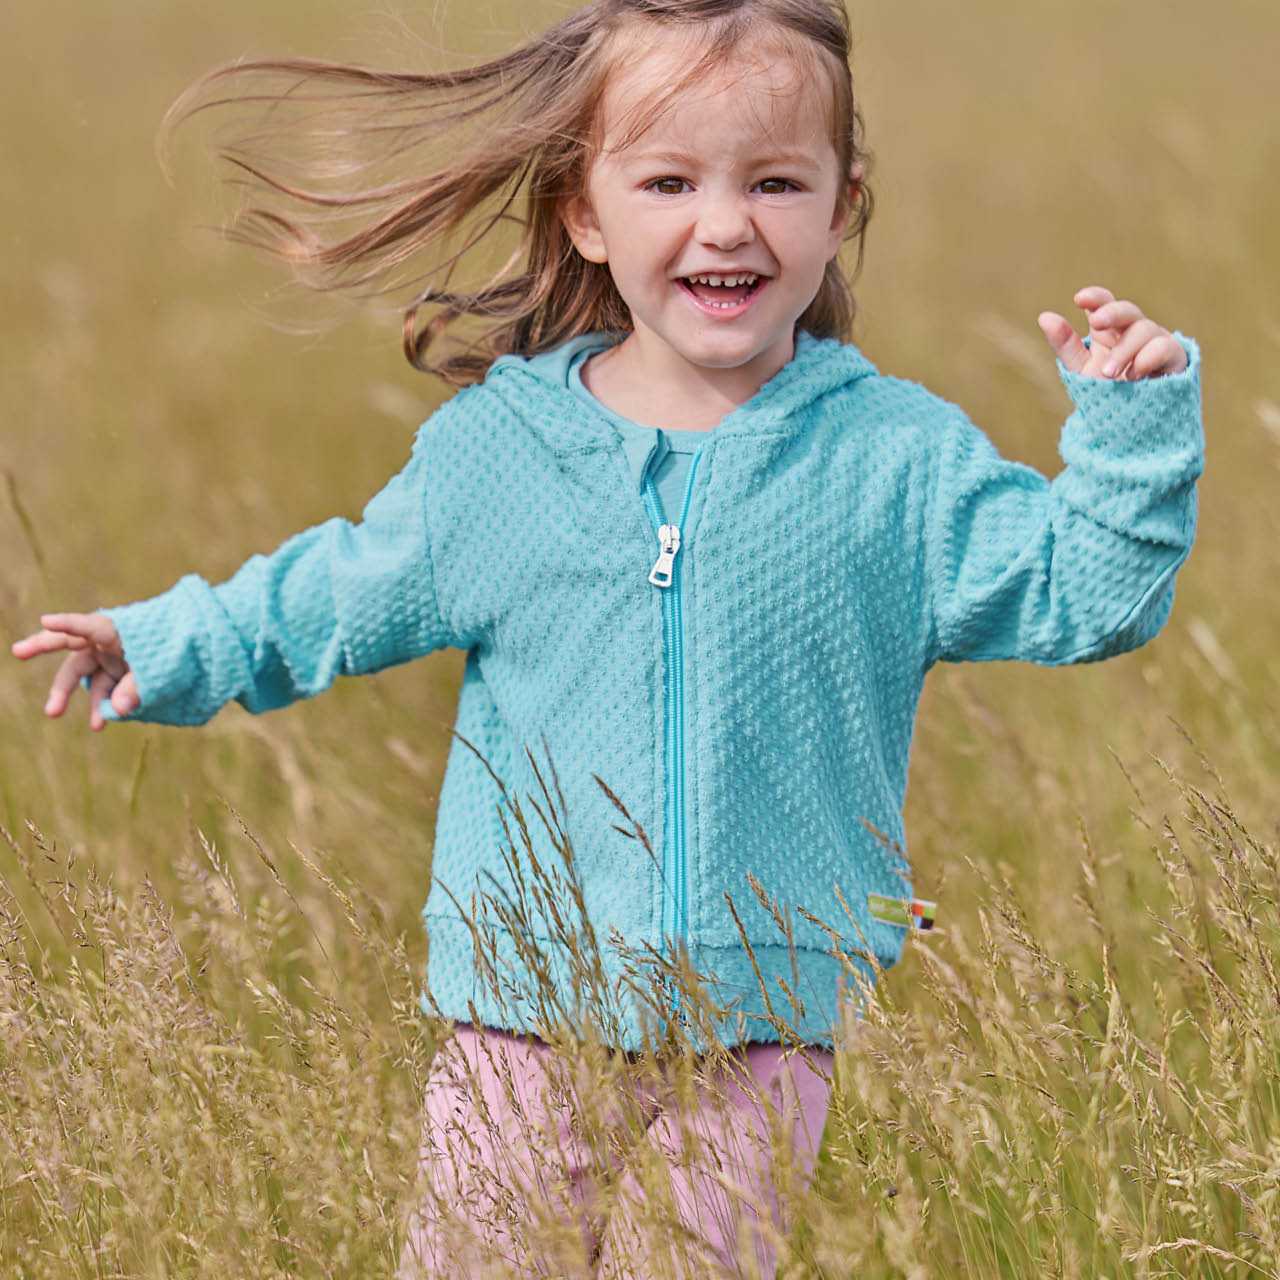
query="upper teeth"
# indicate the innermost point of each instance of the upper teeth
(724, 280)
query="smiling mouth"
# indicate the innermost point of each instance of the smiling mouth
(726, 299)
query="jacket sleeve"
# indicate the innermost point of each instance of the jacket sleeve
(335, 599)
(1078, 568)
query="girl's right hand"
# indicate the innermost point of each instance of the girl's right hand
(96, 652)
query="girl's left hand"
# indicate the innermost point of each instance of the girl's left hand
(1123, 343)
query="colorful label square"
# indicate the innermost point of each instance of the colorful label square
(907, 913)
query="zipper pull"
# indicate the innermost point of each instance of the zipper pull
(669, 537)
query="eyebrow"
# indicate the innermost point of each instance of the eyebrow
(683, 157)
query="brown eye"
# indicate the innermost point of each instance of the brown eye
(658, 182)
(777, 181)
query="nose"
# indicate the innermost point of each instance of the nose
(724, 220)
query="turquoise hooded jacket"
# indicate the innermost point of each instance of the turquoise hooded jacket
(743, 684)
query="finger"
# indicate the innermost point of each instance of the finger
(1135, 338)
(99, 687)
(74, 667)
(1115, 315)
(125, 696)
(46, 642)
(1064, 340)
(1160, 356)
(1093, 296)
(113, 665)
(97, 628)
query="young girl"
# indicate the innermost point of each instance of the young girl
(695, 544)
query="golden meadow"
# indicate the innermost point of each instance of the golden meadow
(211, 1056)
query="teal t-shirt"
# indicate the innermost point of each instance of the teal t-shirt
(671, 471)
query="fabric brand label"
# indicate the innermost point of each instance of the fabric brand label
(908, 913)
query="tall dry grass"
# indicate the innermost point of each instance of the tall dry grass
(192, 1102)
(212, 1055)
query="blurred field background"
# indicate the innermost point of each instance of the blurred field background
(161, 418)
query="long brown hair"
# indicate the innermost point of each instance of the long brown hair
(525, 121)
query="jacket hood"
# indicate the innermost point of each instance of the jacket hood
(818, 367)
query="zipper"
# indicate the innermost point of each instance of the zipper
(665, 574)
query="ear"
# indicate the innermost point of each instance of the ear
(841, 217)
(579, 220)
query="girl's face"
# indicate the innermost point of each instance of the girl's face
(736, 178)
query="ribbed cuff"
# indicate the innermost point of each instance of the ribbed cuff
(1149, 415)
(165, 657)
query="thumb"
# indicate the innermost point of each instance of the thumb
(124, 697)
(1064, 340)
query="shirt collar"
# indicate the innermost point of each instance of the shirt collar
(818, 366)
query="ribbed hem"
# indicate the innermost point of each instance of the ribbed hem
(629, 1014)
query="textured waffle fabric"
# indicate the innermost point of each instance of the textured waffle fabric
(846, 531)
